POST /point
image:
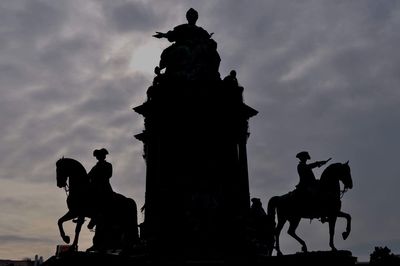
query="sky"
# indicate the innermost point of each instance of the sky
(323, 74)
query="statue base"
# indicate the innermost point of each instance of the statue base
(342, 258)
(326, 258)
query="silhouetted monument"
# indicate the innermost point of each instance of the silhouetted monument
(319, 199)
(197, 202)
(113, 215)
(196, 127)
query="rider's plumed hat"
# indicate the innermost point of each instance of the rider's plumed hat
(100, 152)
(303, 155)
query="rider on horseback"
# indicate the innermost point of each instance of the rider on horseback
(99, 177)
(308, 186)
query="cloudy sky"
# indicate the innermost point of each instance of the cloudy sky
(323, 75)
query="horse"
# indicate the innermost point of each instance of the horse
(291, 207)
(118, 219)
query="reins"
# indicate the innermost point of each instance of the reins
(342, 192)
(66, 189)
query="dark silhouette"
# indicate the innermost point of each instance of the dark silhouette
(261, 228)
(99, 178)
(116, 222)
(157, 81)
(197, 201)
(383, 256)
(308, 185)
(231, 80)
(186, 32)
(193, 55)
(196, 130)
(327, 204)
(100, 174)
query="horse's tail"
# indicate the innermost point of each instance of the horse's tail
(131, 233)
(128, 211)
(271, 211)
(134, 219)
(272, 206)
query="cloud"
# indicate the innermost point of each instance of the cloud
(132, 16)
(30, 240)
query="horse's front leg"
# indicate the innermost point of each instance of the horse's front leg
(332, 224)
(78, 228)
(293, 224)
(348, 224)
(68, 216)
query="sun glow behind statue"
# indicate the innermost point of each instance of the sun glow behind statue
(146, 56)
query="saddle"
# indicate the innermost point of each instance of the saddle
(310, 202)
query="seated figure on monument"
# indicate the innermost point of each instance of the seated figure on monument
(189, 32)
(153, 90)
(261, 227)
(231, 79)
(193, 56)
(234, 92)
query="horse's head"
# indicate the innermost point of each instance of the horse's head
(346, 176)
(62, 174)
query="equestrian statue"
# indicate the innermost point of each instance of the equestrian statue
(113, 215)
(320, 199)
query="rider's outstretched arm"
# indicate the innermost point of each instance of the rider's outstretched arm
(318, 163)
(160, 35)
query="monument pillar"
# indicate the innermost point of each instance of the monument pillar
(196, 129)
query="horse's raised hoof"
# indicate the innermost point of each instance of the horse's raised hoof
(66, 239)
(91, 224)
(345, 235)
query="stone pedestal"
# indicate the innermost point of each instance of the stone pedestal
(197, 188)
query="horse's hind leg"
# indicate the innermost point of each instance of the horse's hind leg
(293, 224)
(278, 229)
(68, 216)
(332, 224)
(348, 224)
